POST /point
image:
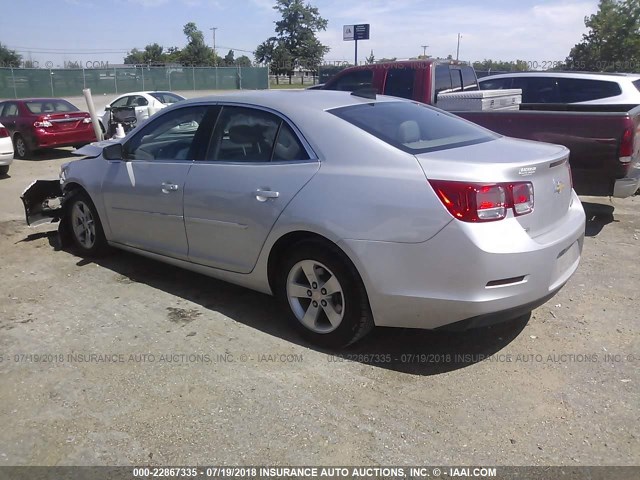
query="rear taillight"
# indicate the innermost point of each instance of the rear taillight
(474, 202)
(4, 132)
(42, 122)
(626, 146)
(522, 197)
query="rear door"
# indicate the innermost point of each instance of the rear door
(143, 194)
(256, 163)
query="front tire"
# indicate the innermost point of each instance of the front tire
(20, 147)
(324, 295)
(84, 225)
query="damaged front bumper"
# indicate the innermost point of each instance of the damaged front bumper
(42, 202)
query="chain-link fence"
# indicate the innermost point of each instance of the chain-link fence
(37, 82)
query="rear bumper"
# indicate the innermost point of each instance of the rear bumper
(42, 138)
(628, 186)
(6, 158)
(481, 274)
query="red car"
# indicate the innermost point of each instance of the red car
(37, 123)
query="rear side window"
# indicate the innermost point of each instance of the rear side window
(413, 127)
(251, 135)
(456, 80)
(469, 80)
(353, 81)
(574, 90)
(442, 78)
(399, 82)
(636, 83)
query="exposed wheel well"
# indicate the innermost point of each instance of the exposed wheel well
(288, 241)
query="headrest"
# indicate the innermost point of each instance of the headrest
(408, 132)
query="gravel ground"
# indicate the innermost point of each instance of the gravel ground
(202, 372)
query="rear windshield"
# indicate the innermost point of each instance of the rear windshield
(413, 127)
(166, 97)
(50, 106)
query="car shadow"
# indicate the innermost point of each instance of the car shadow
(598, 215)
(417, 352)
(50, 154)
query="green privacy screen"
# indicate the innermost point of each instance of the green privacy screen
(37, 82)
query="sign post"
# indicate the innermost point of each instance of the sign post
(355, 32)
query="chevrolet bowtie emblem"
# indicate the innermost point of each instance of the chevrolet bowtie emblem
(559, 186)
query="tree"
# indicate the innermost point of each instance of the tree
(9, 58)
(243, 61)
(134, 57)
(196, 53)
(370, 59)
(612, 42)
(295, 44)
(386, 60)
(229, 59)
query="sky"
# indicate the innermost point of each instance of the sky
(57, 31)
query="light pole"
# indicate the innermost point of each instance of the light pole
(215, 56)
(424, 50)
(458, 49)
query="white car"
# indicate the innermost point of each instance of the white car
(143, 102)
(569, 87)
(6, 150)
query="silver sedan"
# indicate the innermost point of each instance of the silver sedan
(354, 210)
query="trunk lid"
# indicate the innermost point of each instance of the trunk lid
(508, 160)
(62, 122)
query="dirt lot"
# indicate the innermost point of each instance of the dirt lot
(189, 370)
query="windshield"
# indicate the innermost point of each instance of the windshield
(50, 106)
(414, 127)
(166, 97)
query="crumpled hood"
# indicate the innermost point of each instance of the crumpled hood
(94, 149)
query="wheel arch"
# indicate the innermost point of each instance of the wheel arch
(288, 240)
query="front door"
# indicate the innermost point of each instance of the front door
(143, 194)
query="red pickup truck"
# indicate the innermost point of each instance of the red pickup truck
(604, 139)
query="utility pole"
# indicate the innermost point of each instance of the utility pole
(215, 56)
(458, 49)
(424, 50)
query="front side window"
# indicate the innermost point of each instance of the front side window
(496, 84)
(538, 89)
(251, 135)
(413, 127)
(169, 137)
(121, 102)
(399, 82)
(10, 110)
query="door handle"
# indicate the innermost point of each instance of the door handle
(264, 195)
(169, 187)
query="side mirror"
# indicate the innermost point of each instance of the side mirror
(113, 152)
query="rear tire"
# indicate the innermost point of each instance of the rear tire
(84, 226)
(20, 147)
(324, 295)
(4, 169)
